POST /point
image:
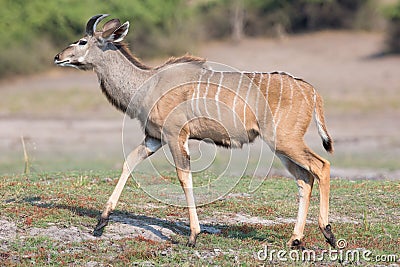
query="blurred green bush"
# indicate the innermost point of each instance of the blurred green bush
(33, 31)
(270, 17)
(392, 13)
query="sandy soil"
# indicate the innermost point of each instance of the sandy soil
(361, 91)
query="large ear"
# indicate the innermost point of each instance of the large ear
(116, 35)
(109, 27)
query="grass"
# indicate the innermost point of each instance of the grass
(364, 213)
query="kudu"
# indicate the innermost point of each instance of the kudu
(185, 99)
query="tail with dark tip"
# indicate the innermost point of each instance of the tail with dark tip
(319, 117)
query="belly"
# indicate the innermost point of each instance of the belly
(224, 135)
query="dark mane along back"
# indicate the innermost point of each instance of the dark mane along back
(183, 59)
(123, 48)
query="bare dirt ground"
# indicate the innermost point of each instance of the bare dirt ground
(63, 113)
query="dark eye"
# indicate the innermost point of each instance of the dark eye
(82, 42)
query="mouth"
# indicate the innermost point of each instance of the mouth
(67, 63)
(61, 62)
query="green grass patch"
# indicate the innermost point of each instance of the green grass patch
(364, 213)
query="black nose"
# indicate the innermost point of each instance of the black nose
(57, 57)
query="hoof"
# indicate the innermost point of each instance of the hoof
(329, 236)
(297, 244)
(192, 241)
(98, 230)
(191, 244)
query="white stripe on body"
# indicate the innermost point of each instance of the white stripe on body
(280, 97)
(206, 92)
(302, 91)
(217, 96)
(198, 95)
(258, 95)
(247, 99)
(235, 99)
(279, 104)
(195, 90)
(291, 98)
(267, 87)
(191, 101)
(266, 98)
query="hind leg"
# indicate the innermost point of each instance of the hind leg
(305, 183)
(324, 189)
(305, 165)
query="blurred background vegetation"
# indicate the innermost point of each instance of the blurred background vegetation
(32, 31)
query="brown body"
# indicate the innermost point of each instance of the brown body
(186, 99)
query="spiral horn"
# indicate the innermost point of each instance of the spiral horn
(92, 23)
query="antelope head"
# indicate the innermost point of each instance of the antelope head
(83, 53)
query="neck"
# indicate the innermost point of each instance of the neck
(121, 75)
